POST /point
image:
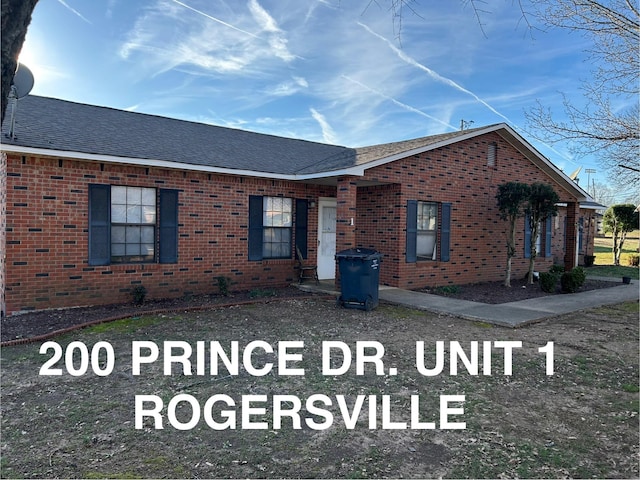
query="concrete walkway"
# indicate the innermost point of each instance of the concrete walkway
(512, 314)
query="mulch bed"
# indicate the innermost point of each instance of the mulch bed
(496, 292)
(45, 322)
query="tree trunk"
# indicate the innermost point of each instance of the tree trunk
(511, 250)
(16, 16)
(507, 278)
(532, 262)
(533, 250)
(616, 247)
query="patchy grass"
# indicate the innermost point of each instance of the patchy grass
(604, 266)
(603, 246)
(580, 422)
(612, 271)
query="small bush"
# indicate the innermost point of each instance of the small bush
(634, 260)
(573, 280)
(223, 285)
(447, 290)
(557, 269)
(139, 293)
(549, 281)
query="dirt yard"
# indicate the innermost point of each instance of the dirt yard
(580, 422)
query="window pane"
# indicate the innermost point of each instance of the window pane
(118, 213)
(133, 249)
(427, 216)
(149, 197)
(133, 235)
(134, 214)
(117, 249)
(134, 196)
(147, 234)
(147, 249)
(149, 215)
(117, 234)
(426, 243)
(119, 195)
(268, 235)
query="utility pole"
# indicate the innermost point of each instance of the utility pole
(589, 172)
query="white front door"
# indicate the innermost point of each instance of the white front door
(327, 238)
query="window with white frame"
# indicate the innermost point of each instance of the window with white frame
(427, 229)
(133, 224)
(277, 221)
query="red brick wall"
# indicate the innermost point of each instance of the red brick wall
(458, 174)
(47, 234)
(47, 225)
(3, 221)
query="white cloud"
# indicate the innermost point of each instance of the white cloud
(328, 134)
(172, 33)
(277, 38)
(288, 87)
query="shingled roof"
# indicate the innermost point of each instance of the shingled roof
(64, 126)
(61, 128)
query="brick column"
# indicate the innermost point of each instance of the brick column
(345, 216)
(571, 236)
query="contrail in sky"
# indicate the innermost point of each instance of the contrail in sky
(435, 75)
(400, 104)
(64, 4)
(199, 12)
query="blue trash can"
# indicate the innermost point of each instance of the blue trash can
(359, 277)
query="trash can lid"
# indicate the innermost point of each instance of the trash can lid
(358, 253)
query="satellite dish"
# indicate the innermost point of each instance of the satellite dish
(21, 86)
(22, 81)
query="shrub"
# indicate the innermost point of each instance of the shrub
(573, 280)
(447, 290)
(223, 286)
(549, 281)
(634, 260)
(557, 269)
(139, 293)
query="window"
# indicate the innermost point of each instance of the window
(277, 219)
(427, 227)
(271, 227)
(424, 240)
(544, 227)
(132, 224)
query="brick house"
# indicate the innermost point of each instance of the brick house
(96, 201)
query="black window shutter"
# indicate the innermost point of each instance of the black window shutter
(412, 231)
(547, 241)
(168, 226)
(255, 227)
(527, 237)
(302, 210)
(99, 224)
(445, 232)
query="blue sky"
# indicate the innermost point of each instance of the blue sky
(331, 71)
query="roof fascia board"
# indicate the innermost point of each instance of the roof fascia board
(142, 162)
(432, 146)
